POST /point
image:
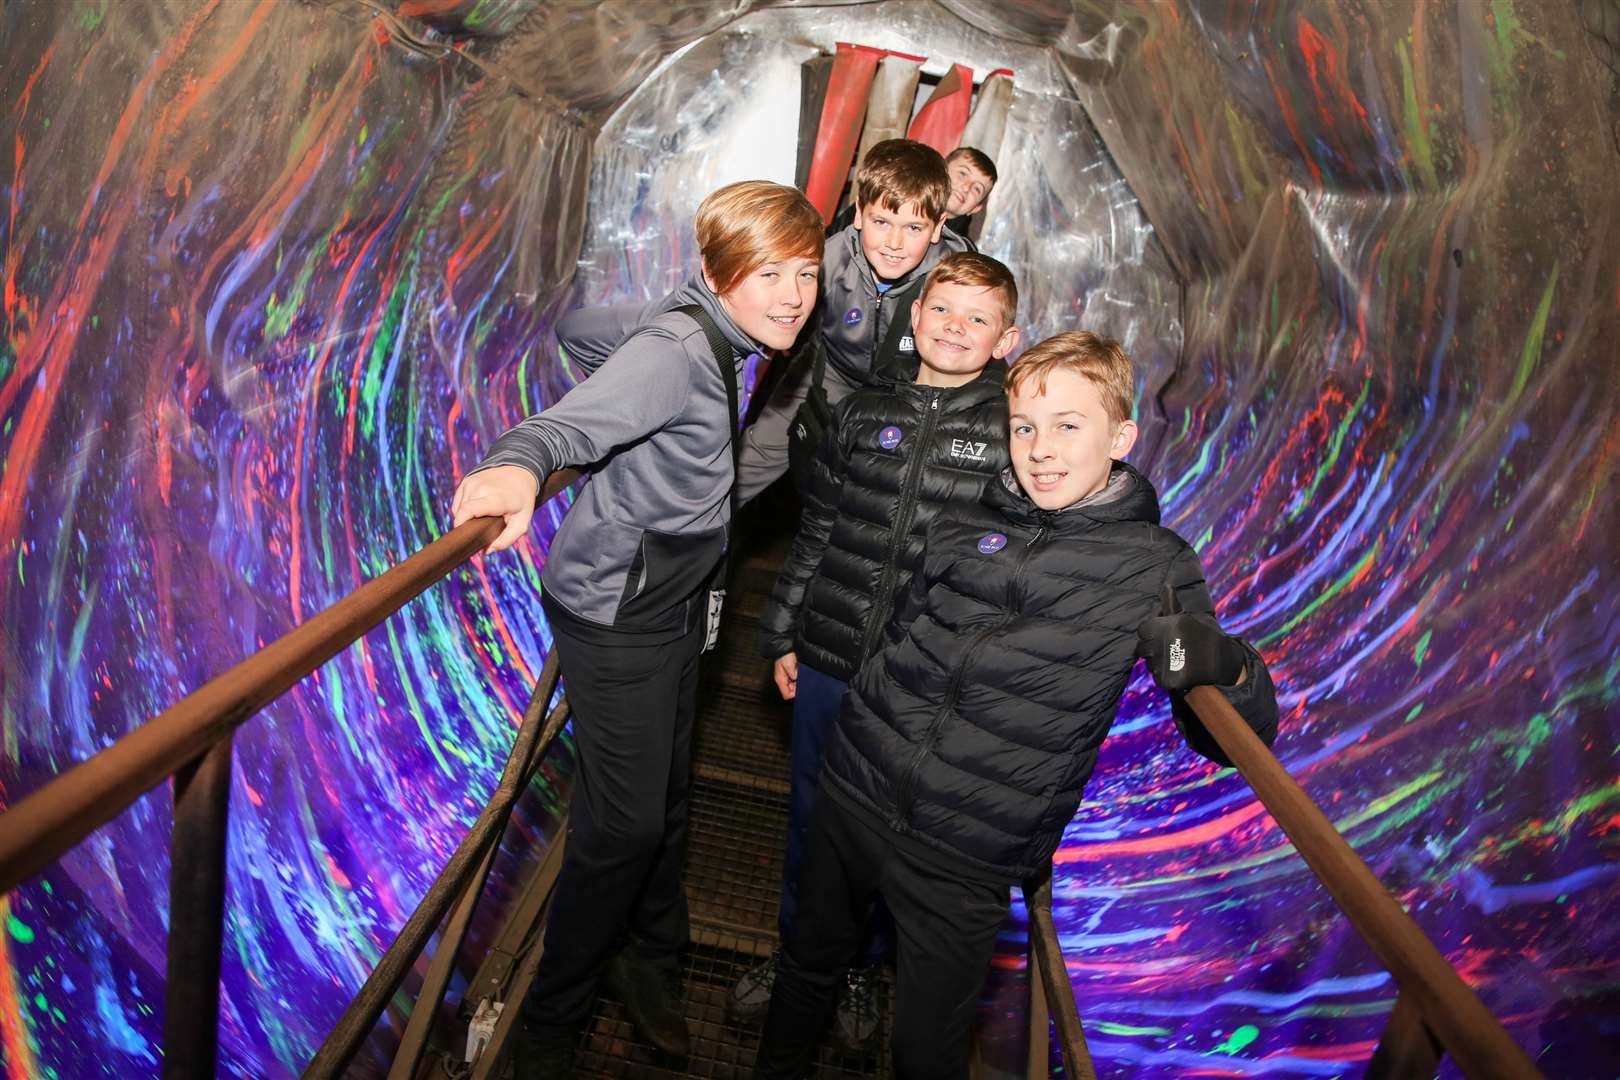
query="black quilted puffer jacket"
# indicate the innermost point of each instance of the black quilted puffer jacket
(893, 458)
(974, 730)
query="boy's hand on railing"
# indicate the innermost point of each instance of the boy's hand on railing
(1184, 650)
(505, 491)
(786, 674)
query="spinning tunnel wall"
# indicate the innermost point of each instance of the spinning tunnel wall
(273, 273)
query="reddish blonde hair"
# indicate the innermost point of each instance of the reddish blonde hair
(745, 225)
(972, 268)
(1101, 361)
(898, 172)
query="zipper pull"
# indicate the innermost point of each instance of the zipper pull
(933, 402)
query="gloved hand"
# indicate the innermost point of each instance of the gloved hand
(1185, 650)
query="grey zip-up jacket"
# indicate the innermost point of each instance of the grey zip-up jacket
(652, 426)
(852, 315)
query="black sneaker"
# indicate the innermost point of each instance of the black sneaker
(855, 1024)
(651, 995)
(750, 999)
(543, 1053)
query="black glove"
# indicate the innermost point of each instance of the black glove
(1184, 650)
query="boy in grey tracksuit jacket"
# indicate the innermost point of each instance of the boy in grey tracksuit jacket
(624, 594)
(650, 527)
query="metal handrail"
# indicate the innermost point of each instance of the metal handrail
(1050, 988)
(468, 861)
(191, 741)
(1435, 1011)
(1431, 991)
(51, 821)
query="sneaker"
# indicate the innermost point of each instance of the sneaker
(651, 995)
(543, 1053)
(750, 999)
(855, 1024)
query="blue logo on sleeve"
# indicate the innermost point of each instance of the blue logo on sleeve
(852, 316)
(990, 543)
(889, 437)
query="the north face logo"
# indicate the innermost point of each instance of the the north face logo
(800, 431)
(968, 450)
(1178, 655)
(908, 344)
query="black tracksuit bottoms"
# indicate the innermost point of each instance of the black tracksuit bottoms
(945, 925)
(632, 698)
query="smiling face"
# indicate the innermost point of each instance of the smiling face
(958, 328)
(1062, 441)
(771, 302)
(895, 241)
(970, 187)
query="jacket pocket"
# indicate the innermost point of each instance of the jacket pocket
(665, 572)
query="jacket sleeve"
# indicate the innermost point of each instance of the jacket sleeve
(641, 387)
(1254, 698)
(588, 336)
(954, 241)
(779, 623)
(911, 603)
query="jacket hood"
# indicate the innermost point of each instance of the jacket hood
(1129, 496)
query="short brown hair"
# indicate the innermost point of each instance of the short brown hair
(1101, 361)
(976, 158)
(742, 226)
(896, 172)
(972, 268)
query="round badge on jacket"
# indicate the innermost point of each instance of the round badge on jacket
(852, 316)
(889, 437)
(990, 543)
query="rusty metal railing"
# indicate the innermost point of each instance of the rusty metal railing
(191, 741)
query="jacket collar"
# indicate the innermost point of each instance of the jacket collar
(1129, 496)
(697, 291)
(987, 386)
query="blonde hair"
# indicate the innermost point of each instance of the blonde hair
(972, 268)
(1101, 361)
(897, 172)
(745, 225)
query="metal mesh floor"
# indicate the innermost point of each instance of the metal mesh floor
(720, 1047)
(744, 731)
(734, 858)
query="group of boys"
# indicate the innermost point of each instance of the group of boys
(975, 574)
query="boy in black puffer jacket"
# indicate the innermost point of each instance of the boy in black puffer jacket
(964, 745)
(892, 461)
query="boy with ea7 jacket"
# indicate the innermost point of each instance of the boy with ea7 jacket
(964, 745)
(892, 461)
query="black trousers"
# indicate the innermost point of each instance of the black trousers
(945, 927)
(632, 707)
